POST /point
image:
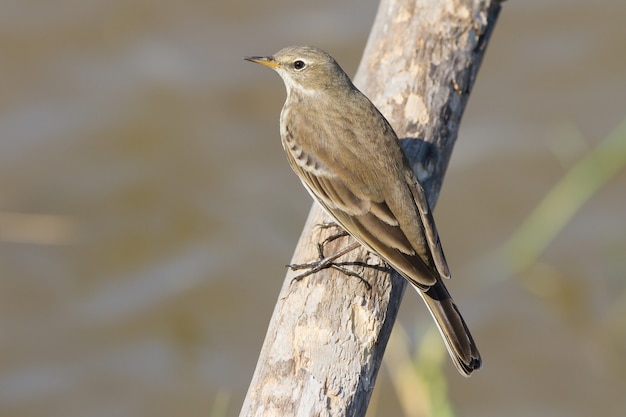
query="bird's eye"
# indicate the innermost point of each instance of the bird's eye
(298, 65)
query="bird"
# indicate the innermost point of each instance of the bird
(349, 159)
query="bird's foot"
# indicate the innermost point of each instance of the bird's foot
(324, 262)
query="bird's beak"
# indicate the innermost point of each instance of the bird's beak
(268, 61)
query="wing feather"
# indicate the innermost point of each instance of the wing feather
(381, 220)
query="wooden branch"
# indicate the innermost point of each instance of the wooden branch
(328, 332)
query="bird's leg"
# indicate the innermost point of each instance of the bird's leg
(325, 261)
(340, 233)
(320, 247)
(329, 225)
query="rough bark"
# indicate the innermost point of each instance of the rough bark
(328, 332)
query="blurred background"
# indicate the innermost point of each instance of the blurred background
(147, 210)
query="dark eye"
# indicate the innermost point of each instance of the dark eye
(298, 64)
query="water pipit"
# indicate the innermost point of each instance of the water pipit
(349, 159)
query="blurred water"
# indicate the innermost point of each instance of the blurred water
(147, 210)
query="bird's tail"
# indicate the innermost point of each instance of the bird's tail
(452, 327)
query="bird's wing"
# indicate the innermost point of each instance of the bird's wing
(429, 228)
(364, 211)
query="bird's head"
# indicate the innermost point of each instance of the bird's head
(305, 69)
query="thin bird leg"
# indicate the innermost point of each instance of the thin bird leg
(320, 246)
(328, 262)
(323, 262)
(328, 225)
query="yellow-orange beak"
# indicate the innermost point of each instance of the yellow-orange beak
(267, 61)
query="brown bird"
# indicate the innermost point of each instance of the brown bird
(349, 159)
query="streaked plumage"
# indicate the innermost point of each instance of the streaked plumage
(350, 160)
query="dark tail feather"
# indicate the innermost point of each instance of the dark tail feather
(452, 327)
